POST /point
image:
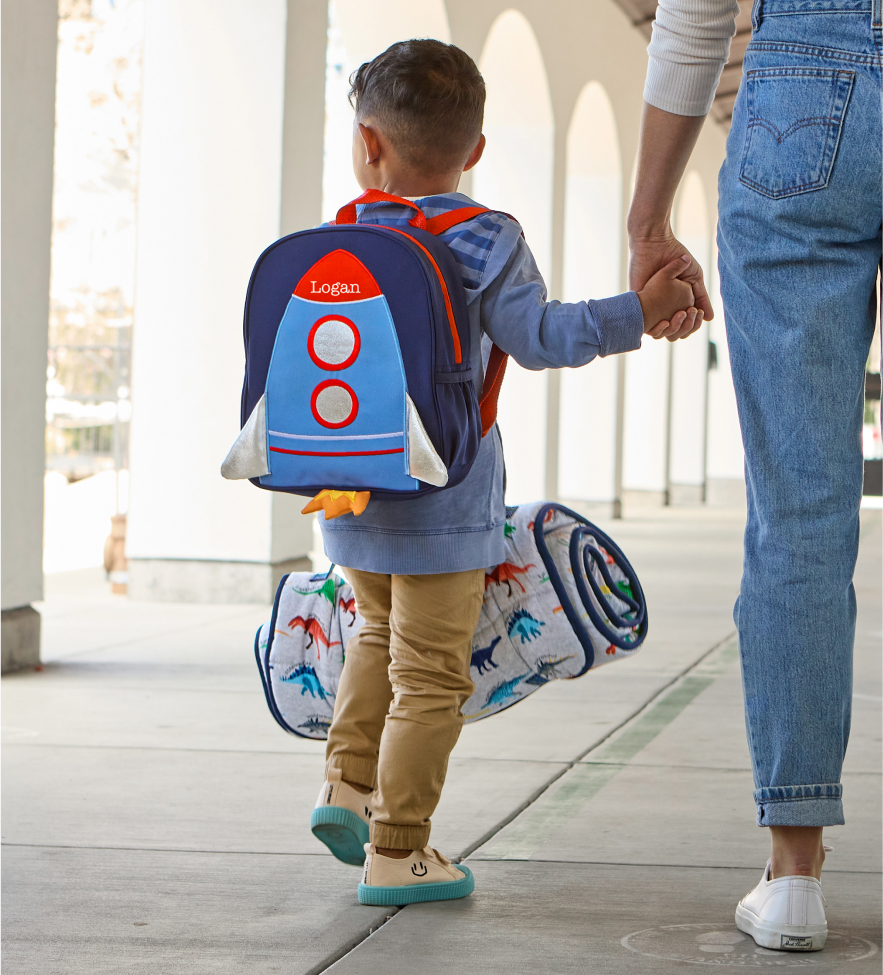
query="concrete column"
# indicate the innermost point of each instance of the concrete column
(516, 174)
(30, 38)
(688, 374)
(592, 268)
(556, 290)
(303, 126)
(231, 157)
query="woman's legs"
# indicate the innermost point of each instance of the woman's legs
(798, 267)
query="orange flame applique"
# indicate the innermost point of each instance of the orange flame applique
(335, 503)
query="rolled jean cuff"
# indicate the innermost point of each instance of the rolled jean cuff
(359, 771)
(389, 837)
(800, 805)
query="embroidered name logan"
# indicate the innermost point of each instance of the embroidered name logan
(337, 288)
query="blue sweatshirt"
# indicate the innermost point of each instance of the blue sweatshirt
(461, 527)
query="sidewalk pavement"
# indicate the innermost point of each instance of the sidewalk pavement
(156, 819)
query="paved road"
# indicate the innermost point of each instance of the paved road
(156, 820)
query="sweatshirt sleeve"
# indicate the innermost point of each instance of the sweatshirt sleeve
(541, 334)
(688, 51)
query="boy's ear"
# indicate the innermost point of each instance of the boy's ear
(476, 153)
(372, 143)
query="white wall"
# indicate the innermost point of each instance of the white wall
(516, 175)
(209, 203)
(646, 393)
(690, 357)
(726, 459)
(28, 109)
(592, 269)
(359, 30)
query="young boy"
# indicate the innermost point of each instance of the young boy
(417, 567)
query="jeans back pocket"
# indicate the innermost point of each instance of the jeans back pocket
(794, 120)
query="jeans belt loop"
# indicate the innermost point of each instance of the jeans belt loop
(877, 14)
(757, 14)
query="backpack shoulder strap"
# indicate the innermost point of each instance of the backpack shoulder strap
(444, 221)
(490, 393)
(496, 366)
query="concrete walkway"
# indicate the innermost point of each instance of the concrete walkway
(156, 819)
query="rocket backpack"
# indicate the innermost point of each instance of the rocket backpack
(357, 363)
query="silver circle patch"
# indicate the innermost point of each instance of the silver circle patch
(711, 944)
(334, 404)
(334, 342)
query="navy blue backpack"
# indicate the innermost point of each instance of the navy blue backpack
(357, 361)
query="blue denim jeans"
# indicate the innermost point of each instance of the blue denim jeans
(800, 241)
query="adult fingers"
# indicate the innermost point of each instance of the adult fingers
(695, 278)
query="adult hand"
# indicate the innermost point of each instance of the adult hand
(647, 256)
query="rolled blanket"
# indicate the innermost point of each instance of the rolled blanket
(565, 600)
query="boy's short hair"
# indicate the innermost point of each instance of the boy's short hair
(428, 97)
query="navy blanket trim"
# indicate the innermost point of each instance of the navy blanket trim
(257, 656)
(271, 700)
(580, 579)
(558, 583)
(638, 626)
(566, 604)
(591, 554)
(614, 618)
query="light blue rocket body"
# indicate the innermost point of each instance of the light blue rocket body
(377, 377)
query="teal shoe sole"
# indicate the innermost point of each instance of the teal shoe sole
(342, 831)
(416, 893)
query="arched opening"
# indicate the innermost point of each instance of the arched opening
(515, 175)
(689, 361)
(592, 269)
(357, 32)
(645, 414)
(725, 470)
(645, 419)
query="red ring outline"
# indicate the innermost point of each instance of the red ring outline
(357, 345)
(315, 396)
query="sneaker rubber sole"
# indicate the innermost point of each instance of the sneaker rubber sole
(342, 831)
(448, 890)
(781, 937)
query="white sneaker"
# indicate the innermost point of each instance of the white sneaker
(426, 875)
(341, 817)
(787, 913)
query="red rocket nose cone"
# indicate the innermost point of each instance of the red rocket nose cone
(338, 276)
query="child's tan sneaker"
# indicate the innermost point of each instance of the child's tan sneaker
(426, 875)
(341, 817)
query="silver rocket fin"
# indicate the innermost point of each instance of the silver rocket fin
(248, 455)
(423, 461)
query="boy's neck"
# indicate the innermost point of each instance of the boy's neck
(415, 184)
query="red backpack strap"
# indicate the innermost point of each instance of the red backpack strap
(493, 380)
(347, 214)
(444, 221)
(496, 366)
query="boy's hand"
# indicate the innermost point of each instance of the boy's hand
(665, 300)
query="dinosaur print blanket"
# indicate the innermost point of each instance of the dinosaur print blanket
(564, 601)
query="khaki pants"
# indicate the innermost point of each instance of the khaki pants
(397, 712)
